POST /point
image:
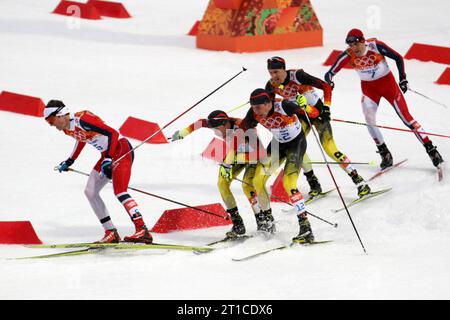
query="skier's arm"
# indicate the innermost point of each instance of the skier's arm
(249, 121)
(183, 133)
(292, 108)
(64, 166)
(387, 51)
(77, 150)
(90, 123)
(305, 78)
(340, 62)
(270, 89)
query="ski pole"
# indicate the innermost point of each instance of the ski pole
(238, 107)
(428, 98)
(370, 163)
(391, 128)
(159, 197)
(281, 200)
(313, 129)
(179, 116)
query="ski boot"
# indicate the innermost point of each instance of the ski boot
(265, 221)
(314, 184)
(305, 234)
(434, 155)
(386, 156)
(238, 228)
(363, 187)
(140, 236)
(111, 236)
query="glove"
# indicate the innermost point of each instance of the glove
(64, 166)
(325, 114)
(403, 85)
(106, 167)
(302, 101)
(226, 172)
(177, 136)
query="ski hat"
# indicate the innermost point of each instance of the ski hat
(276, 63)
(354, 35)
(259, 96)
(217, 118)
(55, 108)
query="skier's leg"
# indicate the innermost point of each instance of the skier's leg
(92, 190)
(120, 178)
(327, 141)
(313, 181)
(396, 98)
(230, 202)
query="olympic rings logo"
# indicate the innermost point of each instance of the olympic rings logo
(272, 123)
(289, 91)
(366, 61)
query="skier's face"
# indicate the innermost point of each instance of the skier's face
(358, 48)
(277, 75)
(262, 110)
(60, 123)
(221, 131)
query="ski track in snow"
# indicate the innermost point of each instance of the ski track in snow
(147, 68)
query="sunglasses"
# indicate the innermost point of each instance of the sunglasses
(352, 39)
(275, 59)
(216, 122)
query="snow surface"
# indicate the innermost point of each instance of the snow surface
(148, 68)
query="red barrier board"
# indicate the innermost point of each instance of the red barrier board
(445, 77)
(20, 103)
(426, 52)
(194, 29)
(77, 9)
(110, 9)
(18, 232)
(278, 193)
(140, 130)
(189, 219)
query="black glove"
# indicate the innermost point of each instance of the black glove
(325, 114)
(403, 85)
(64, 166)
(106, 167)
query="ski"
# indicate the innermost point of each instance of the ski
(368, 196)
(379, 173)
(279, 248)
(319, 196)
(62, 254)
(225, 240)
(311, 200)
(121, 245)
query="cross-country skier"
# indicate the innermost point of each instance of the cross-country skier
(297, 84)
(87, 128)
(288, 145)
(244, 151)
(368, 58)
